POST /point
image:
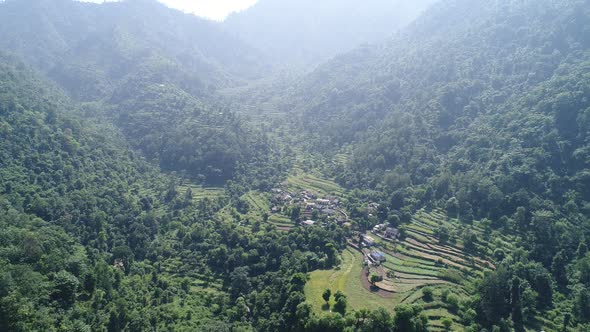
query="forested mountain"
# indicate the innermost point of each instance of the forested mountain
(436, 181)
(91, 48)
(454, 99)
(307, 32)
(147, 66)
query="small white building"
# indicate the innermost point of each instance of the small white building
(308, 223)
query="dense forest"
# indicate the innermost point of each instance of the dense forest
(162, 172)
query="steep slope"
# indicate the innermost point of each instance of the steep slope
(300, 33)
(70, 195)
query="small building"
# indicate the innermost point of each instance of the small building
(334, 201)
(392, 233)
(307, 195)
(379, 228)
(372, 207)
(368, 241)
(119, 264)
(378, 256)
(308, 223)
(323, 202)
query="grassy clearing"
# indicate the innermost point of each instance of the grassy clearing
(346, 279)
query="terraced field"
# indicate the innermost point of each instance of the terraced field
(419, 261)
(281, 222)
(258, 205)
(300, 180)
(200, 193)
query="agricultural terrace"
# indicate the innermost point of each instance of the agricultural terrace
(199, 192)
(300, 180)
(262, 208)
(418, 269)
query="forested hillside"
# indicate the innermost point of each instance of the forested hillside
(93, 238)
(505, 82)
(148, 69)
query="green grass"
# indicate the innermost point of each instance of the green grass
(345, 278)
(410, 262)
(418, 237)
(416, 270)
(421, 228)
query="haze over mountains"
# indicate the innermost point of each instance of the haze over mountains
(161, 172)
(304, 33)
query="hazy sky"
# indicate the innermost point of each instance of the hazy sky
(213, 9)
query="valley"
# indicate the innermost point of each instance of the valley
(301, 166)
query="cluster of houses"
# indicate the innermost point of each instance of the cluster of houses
(386, 232)
(310, 204)
(372, 256)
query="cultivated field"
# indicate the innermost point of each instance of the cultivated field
(299, 180)
(199, 192)
(417, 262)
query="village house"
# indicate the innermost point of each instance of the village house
(392, 233)
(368, 241)
(372, 208)
(323, 202)
(379, 228)
(334, 201)
(378, 256)
(306, 195)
